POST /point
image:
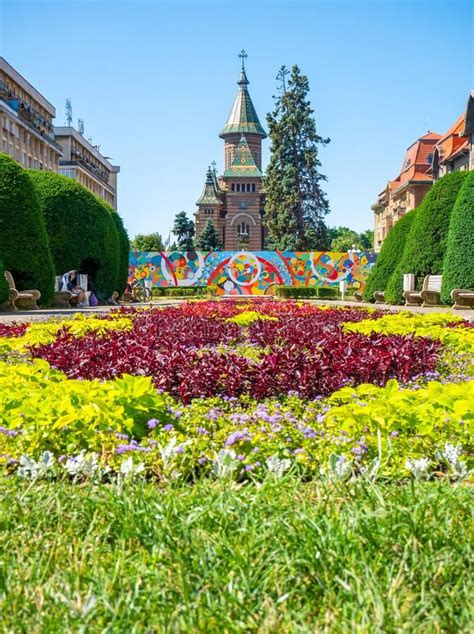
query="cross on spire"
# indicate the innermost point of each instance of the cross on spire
(214, 167)
(243, 56)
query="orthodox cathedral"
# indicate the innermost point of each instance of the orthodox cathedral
(234, 201)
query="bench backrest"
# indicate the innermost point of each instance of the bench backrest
(433, 283)
(10, 280)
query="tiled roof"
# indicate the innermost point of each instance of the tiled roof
(243, 163)
(209, 196)
(453, 141)
(243, 118)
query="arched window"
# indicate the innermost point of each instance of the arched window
(238, 187)
(253, 187)
(248, 187)
(233, 187)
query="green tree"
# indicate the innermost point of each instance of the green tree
(458, 265)
(426, 243)
(367, 240)
(82, 231)
(346, 241)
(3, 285)
(209, 240)
(147, 242)
(24, 245)
(389, 256)
(183, 229)
(295, 202)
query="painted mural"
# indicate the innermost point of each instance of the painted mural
(251, 272)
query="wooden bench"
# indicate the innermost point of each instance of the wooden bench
(24, 300)
(430, 294)
(462, 298)
(379, 297)
(62, 299)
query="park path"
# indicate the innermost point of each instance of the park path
(43, 314)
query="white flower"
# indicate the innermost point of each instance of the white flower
(225, 463)
(339, 467)
(128, 469)
(418, 467)
(82, 465)
(450, 456)
(277, 466)
(32, 470)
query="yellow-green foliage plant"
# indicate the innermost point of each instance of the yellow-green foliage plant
(46, 332)
(430, 325)
(42, 410)
(248, 317)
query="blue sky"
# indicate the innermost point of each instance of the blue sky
(154, 82)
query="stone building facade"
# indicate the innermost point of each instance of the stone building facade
(407, 190)
(26, 122)
(429, 158)
(234, 201)
(83, 162)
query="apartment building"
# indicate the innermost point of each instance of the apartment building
(83, 162)
(26, 122)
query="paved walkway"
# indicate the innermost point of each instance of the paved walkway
(43, 314)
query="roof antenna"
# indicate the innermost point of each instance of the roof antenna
(68, 113)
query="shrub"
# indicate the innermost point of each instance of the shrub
(3, 285)
(458, 266)
(425, 246)
(24, 246)
(389, 256)
(188, 291)
(124, 248)
(81, 230)
(306, 292)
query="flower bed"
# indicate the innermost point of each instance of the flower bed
(240, 389)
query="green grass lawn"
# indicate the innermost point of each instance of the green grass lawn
(285, 556)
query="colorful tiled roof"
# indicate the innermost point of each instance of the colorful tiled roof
(243, 117)
(243, 163)
(210, 195)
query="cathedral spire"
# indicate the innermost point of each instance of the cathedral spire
(243, 81)
(243, 118)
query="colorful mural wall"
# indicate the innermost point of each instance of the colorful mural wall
(251, 272)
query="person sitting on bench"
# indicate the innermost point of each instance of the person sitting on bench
(69, 282)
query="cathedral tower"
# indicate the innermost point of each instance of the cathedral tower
(238, 217)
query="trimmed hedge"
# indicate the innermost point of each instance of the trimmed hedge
(124, 248)
(306, 292)
(3, 285)
(425, 246)
(458, 266)
(24, 246)
(389, 256)
(82, 232)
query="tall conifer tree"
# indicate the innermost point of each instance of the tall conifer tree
(209, 240)
(295, 202)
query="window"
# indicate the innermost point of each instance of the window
(243, 187)
(253, 187)
(238, 187)
(248, 187)
(209, 212)
(232, 187)
(429, 158)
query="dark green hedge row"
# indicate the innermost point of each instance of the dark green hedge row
(84, 232)
(24, 246)
(426, 242)
(3, 285)
(389, 256)
(184, 291)
(458, 265)
(305, 292)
